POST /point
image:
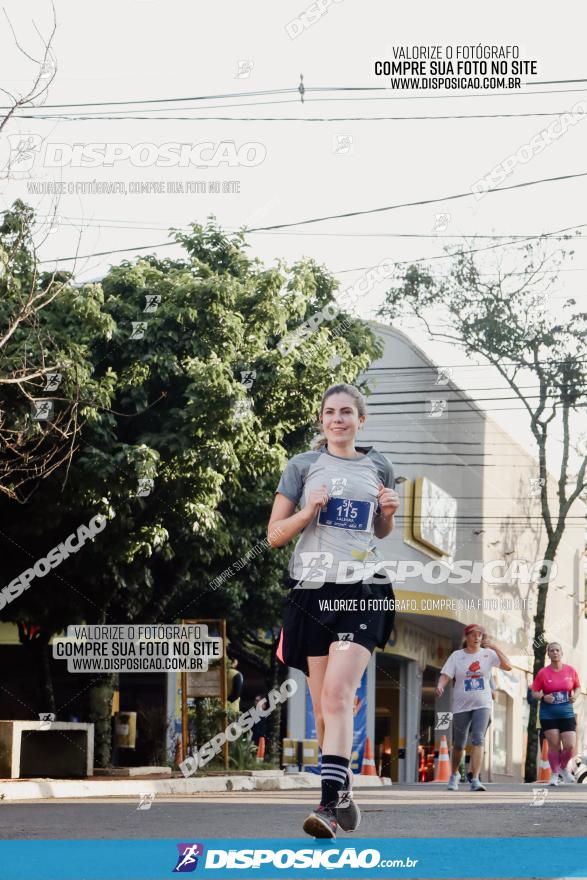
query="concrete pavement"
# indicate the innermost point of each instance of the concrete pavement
(399, 811)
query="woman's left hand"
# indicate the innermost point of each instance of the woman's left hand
(388, 500)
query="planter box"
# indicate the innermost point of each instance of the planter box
(58, 749)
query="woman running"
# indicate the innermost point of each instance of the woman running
(557, 686)
(471, 698)
(339, 606)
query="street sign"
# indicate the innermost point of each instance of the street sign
(205, 684)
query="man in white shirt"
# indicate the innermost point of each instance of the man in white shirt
(471, 668)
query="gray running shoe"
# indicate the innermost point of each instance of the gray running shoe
(348, 814)
(453, 782)
(475, 785)
(321, 822)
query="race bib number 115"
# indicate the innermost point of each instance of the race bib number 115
(345, 513)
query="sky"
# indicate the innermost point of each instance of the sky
(290, 171)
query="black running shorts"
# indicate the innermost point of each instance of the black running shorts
(315, 618)
(562, 724)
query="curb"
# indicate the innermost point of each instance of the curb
(55, 789)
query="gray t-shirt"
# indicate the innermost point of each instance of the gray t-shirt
(338, 546)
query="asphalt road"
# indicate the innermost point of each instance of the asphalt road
(400, 811)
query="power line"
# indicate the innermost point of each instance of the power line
(471, 517)
(141, 101)
(109, 223)
(88, 117)
(444, 97)
(116, 115)
(550, 82)
(114, 251)
(223, 95)
(439, 388)
(478, 274)
(468, 397)
(140, 224)
(421, 202)
(448, 256)
(467, 366)
(466, 235)
(91, 225)
(422, 423)
(393, 385)
(399, 429)
(314, 89)
(425, 394)
(486, 444)
(500, 498)
(494, 521)
(458, 454)
(472, 404)
(357, 213)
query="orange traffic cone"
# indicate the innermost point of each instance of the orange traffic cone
(368, 765)
(261, 749)
(544, 770)
(443, 767)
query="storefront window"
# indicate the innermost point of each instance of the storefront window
(427, 726)
(389, 743)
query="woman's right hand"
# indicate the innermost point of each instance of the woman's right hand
(439, 690)
(316, 500)
(548, 698)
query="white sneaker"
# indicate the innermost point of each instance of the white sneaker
(453, 782)
(566, 776)
(554, 780)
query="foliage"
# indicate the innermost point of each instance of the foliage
(48, 328)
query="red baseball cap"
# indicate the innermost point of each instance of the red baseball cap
(473, 626)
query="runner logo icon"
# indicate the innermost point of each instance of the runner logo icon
(187, 859)
(344, 641)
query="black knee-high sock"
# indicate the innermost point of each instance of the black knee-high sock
(333, 777)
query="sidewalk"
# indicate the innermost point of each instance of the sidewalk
(100, 786)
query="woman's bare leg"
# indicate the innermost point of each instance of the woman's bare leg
(554, 743)
(343, 676)
(317, 667)
(568, 745)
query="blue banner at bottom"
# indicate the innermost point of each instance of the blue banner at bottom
(553, 857)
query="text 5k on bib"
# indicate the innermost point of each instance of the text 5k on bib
(346, 513)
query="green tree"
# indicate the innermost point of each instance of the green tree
(173, 419)
(506, 321)
(47, 390)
